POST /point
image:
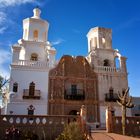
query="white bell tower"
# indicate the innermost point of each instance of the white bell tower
(33, 57)
(102, 58)
(34, 28)
(99, 37)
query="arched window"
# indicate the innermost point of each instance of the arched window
(93, 43)
(15, 87)
(25, 33)
(32, 89)
(103, 42)
(34, 57)
(106, 62)
(45, 36)
(117, 62)
(111, 91)
(35, 34)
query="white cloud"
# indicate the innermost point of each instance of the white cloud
(2, 30)
(5, 22)
(2, 17)
(5, 3)
(57, 42)
(4, 72)
(76, 31)
(4, 58)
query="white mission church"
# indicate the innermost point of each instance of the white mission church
(33, 57)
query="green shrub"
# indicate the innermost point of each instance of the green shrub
(71, 131)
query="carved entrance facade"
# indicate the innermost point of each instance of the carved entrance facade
(72, 83)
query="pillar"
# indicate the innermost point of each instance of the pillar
(109, 119)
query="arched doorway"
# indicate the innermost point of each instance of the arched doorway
(73, 112)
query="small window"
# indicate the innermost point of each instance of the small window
(34, 57)
(31, 89)
(106, 62)
(15, 87)
(35, 34)
(111, 91)
(31, 110)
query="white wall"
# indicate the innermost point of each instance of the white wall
(116, 81)
(35, 48)
(117, 109)
(32, 24)
(25, 77)
(20, 108)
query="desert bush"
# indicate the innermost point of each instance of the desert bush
(71, 131)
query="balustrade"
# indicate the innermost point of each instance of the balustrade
(111, 97)
(77, 94)
(35, 64)
(26, 94)
(106, 69)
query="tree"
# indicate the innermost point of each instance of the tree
(126, 102)
(71, 131)
(4, 90)
(3, 82)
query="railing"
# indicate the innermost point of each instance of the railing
(111, 97)
(106, 69)
(35, 64)
(77, 94)
(26, 94)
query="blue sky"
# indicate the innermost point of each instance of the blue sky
(70, 21)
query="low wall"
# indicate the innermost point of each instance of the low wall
(46, 127)
(132, 125)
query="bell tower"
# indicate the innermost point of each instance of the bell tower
(32, 58)
(108, 64)
(35, 28)
(99, 37)
(100, 48)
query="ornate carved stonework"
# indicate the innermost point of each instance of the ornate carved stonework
(73, 83)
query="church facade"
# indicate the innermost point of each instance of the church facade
(73, 83)
(39, 85)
